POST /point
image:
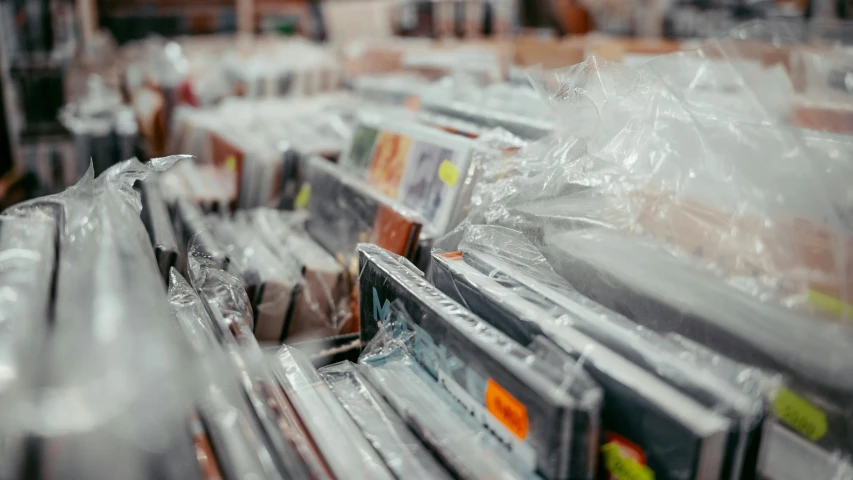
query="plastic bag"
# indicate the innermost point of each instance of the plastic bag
(435, 417)
(387, 432)
(679, 195)
(550, 424)
(155, 216)
(341, 443)
(289, 451)
(100, 405)
(501, 276)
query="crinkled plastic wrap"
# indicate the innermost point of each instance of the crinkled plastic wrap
(100, 406)
(676, 391)
(191, 230)
(272, 281)
(27, 273)
(155, 216)
(244, 435)
(404, 454)
(461, 443)
(290, 453)
(210, 273)
(190, 313)
(347, 452)
(249, 148)
(295, 289)
(553, 427)
(224, 437)
(680, 195)
(322, 303)
(517, 109)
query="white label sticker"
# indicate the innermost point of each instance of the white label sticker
(523, 452)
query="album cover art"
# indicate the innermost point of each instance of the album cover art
(361, 151)
(389, 162)
(421, 188)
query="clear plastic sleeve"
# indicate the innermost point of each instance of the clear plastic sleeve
(322, 304)
(229, 433)
(347, 452)
(682, 195)
(553, 427)
(404, 454)
(100, 406)
(230, 305)
(501, 276)
(517, 109)
(344, 211)
(27, 266)
(248, 146)
(155, 217)
(190, 313)
(428, 169)
(271, 281)
(289, 452)
(436, 418)
(28, 258)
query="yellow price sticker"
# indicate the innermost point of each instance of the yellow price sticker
(303, 197)
(231, 163)
(448, 173)
(623, 467)
(830, 305)
(806, 419)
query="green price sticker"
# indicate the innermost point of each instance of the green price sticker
(448, 173)
(806, 419)
(622, 467)
(231, 163)
(303, 197)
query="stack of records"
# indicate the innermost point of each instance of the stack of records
(541, 407)
(155, 216)
(811, 354)
(389, 434)
(428, 170)
(295, 288)
(250, 147)
(665, 409)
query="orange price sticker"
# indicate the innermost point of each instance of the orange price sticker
(507, 409)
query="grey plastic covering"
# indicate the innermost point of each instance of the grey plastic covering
(27, 257)
(100, 406)
(236, 442)
(27, 265)
(404, 454)
(512, 256)
(347, 452)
